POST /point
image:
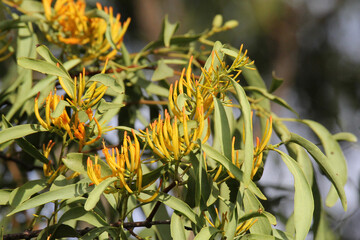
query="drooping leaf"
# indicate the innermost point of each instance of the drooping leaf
(345, 136)
(222, 137)
(80, 214)
(67, 192)
(249, 144)
(207, 233)
(303, 200)
(275, 83)
(177, 227)
(26, 145)
(19, 131)
(23, 193)
(95, 194)
(331, 172)
(162, 71)
(335, 158)
(272, 97)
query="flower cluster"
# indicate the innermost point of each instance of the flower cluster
(175, 137)
(79, 100)
(70, 25)
(125, 165)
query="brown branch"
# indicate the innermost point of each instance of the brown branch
(129, 226)
(157, 205)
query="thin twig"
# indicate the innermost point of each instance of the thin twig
(157, 205)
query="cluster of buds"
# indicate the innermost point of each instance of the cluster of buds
(72, 26)
(191, 104)
(125, 165)
(79, 100)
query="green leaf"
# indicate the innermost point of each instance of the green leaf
(332, 173)
(19, 131)
(108, 81)
(249, 144)
(345, 136)
(162, 71)
(303, 200)
(78, 163)
(256, 236)
(271, 97)
(95, 194)
(152, 88)
(222, 137)
(79, 214)
(23, 193)
(335, 157)
(59, 109)
(67, 192)
(177, 227)
(57, 231)
(275, 83)
(105, 106)
(4, 196)
(214, 154)
(93, 234)
(278, 234)
(207, 233)
(42, 66)
(210, 62)
(178, 205)
(252, 204)
(168, 30)
(26, 145)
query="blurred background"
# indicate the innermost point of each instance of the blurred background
(314, 45)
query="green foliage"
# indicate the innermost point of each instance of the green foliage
(194, 156)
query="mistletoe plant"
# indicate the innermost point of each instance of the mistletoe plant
(82, 168)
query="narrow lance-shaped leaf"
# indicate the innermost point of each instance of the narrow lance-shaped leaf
(207, 233)
(322, 160)
(272, 97)
(177, 227)
(303, 200)
(222, 138)
(95, 194)
(249, 144)
(334, 154)
(67, 192)
(19, 131)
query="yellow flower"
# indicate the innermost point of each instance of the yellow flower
(125, 165)
(71, 25)
(193, 95)
(48, 170)
(79, 101)
(171, 140)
